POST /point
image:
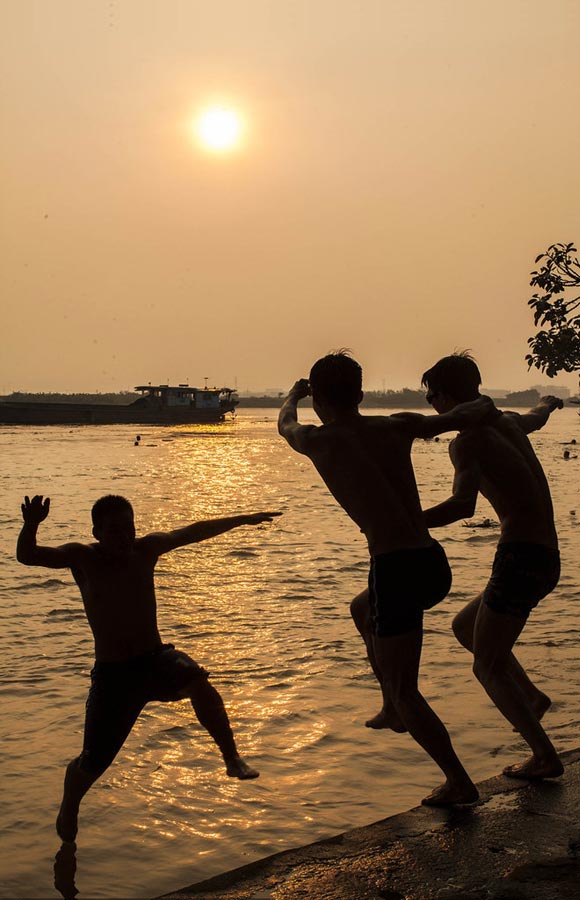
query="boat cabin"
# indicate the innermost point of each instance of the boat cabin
(183, 395)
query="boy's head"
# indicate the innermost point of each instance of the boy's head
(454, 379)
(113, 524)
(335, 383)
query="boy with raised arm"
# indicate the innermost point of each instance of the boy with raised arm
(365, 462)
(498, 460)
(115, 576)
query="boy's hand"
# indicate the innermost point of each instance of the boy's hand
(258, 518)
(36, 510)
(300, 389)
(552, 402)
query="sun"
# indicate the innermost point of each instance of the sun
(219, 129)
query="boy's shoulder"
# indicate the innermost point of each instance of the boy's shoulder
(76, 555)
(331, 431)
(80, 546)
(394, 425)
(377, 421)
(465, 444)
(91, 548)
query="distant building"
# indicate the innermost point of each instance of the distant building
(519, 397)
(562, 392)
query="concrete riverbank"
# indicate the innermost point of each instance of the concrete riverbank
(520, 842)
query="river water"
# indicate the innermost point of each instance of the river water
(266, 611)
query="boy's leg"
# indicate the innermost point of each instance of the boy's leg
(211, 712)
(398, 660)
(463, 628)
(387, 717)
(110, 716)
(494, 636)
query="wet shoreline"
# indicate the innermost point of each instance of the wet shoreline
(521, 841)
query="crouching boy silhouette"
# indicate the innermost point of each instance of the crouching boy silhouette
(132, 665)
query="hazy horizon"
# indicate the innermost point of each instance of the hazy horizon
(270, 392)
(401, 165)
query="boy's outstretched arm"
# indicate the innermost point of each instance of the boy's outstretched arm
(29, 553)
(474, 412)
(288, 426)
(164, 542)
(537, 417)
(461, 504)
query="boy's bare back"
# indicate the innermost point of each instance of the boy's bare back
(365, 462)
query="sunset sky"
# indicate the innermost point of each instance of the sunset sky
(396, 167)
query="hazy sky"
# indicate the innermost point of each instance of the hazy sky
(403, 163)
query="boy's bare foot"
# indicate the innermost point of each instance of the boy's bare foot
(534, 768)
(386, 718)
(236, 767)
(452, 794)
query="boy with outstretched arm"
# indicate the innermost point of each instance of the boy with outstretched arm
(498, 460)
(115, 576)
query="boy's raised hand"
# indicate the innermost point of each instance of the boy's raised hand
(552, 402)
(36, 510)
(257, 518)
(300, 389)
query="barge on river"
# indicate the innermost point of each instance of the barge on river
(159, 404)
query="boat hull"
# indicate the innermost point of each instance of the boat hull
(107, 414)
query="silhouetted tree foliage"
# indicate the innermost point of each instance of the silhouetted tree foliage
(556, 348)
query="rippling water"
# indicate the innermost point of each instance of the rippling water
(266, 611)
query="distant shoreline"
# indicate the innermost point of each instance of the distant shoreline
(405, 399)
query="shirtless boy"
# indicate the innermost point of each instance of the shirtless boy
(498, 460)
(365, 462)
(132, 665)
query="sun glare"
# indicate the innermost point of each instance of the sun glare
(219, 129)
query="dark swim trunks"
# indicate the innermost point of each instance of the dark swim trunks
(403, 584)
(522, 575)
(120, 690)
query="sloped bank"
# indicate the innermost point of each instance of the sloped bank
(520, 842)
